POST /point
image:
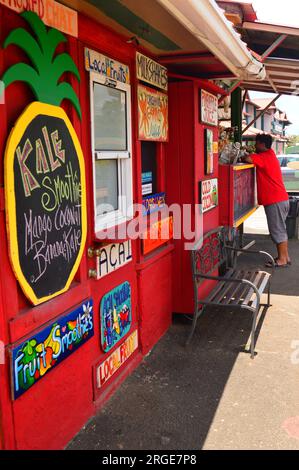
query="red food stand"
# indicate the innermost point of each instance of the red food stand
(73, 335)
(100, 127)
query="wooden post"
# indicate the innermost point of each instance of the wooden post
(236, 110)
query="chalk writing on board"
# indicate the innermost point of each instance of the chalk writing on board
(48, 196)
(244, 192)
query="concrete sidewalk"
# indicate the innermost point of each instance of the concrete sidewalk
(212, 395)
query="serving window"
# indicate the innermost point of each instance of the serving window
(149, 168)
(111, 146)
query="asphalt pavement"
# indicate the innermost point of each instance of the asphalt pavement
(213, 395)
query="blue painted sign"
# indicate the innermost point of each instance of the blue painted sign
(153, 203)
(116, 316)
(38, 355)
(147, 177)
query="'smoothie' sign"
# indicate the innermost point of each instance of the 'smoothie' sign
(45, 201)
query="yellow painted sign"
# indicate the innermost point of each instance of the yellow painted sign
(45, 199)
(116, 360)
(52, 13)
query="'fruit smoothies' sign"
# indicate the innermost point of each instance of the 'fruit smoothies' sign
(209, 108)
(112, 257)
(52, 13)
(159, 233)
(38, 355)
(107, 67)
(152, 115)
(117, 359)
(116, 316)
(151, 72)
(45, 198)
(209, 194)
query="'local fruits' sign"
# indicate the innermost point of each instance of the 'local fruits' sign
(105, 66)
(117, 359)
(38, 355)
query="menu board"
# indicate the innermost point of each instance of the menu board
(45, 197)
(244, 192)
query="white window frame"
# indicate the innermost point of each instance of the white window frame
(124, 161)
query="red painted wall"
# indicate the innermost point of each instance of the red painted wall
(185, 169)
(49, 414)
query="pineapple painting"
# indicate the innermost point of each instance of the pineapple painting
(45, 194)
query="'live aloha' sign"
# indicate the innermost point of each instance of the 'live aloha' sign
(52, 13)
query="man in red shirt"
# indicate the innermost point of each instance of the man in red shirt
(272, 195)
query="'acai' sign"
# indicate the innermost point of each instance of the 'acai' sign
(45, 201)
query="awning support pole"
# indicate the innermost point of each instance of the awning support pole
(274, 46)
(261, 113)
(236, 110)
(233, 87)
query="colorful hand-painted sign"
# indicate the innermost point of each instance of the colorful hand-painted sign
(52, 13)
(39, 354)
(147, 177)
(112, 257)
(44, 171)
(151, 72)
(152, 115)
(45, 200)
(159, 233)
(208, 191)
(116, 315)
(117, 359)
(209, 154)
(107, 67)
(153, 203)
(209, 108)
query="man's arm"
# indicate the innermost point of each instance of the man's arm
(247, 159)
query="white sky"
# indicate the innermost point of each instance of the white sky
(284, 12)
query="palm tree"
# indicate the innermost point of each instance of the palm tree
(43, 77)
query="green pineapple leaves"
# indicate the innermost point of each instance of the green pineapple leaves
(46, 70)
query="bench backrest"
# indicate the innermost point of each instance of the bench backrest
(211, 253)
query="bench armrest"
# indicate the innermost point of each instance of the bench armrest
(256, 252)
(236, 281)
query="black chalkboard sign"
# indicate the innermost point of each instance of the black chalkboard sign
(47, 230)
(244, 192)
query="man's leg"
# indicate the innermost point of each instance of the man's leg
(276, 218)
(283, 253)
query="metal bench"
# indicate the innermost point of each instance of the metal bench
(236, 289)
